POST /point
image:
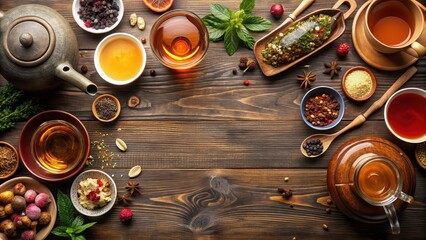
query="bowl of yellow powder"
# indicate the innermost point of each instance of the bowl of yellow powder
(359, 83)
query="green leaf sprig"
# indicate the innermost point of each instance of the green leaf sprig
(234, 27)
(72, 226)
(16, 106)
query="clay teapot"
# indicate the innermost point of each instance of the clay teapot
(38, 46)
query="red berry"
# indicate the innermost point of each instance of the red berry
(99, 182)
(87, 24)
(343, 49)
(246, 82)
(126, 215)
(277, 10)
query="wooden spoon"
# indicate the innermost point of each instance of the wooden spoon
(327, 139)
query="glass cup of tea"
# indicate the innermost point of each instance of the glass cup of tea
(57, 146)
(378, 181)
(179, 39)
(405, 114)
(395, 25)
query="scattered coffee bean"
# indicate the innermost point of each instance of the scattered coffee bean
(84, 69)
(313, 147)
(329, 201)
(143, 40)
(328, 210)
(291, 206)
(234, 71)
(152, 72)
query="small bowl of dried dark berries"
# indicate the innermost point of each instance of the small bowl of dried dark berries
(98, 16)
(322, 108)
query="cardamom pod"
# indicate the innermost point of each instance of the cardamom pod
(121, 144)
(135, 171)
(141, 23)
(133, 19)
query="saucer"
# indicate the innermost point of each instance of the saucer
(387, 62)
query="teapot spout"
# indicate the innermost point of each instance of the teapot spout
(65, 72)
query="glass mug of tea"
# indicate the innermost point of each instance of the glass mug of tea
(179, 39)
(378, 181)
(57, 146)
(395, 25)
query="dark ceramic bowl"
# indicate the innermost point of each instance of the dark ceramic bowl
(317, 92)
(25, 151)
(30, 183)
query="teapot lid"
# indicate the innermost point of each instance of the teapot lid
(29, 41)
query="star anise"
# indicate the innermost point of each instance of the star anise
(125, 198)
(133, 187)
(332, 68)
(306, 79)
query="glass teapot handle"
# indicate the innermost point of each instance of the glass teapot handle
(393, 218)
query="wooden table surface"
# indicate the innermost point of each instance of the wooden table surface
(214, 151)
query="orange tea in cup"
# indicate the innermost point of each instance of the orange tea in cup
(121, 59)
(179, 39)
(57, 146)
(377, 180)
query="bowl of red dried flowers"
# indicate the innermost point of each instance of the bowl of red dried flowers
(322, 108)
(9, 160)
(98, 16)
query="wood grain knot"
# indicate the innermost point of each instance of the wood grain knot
(220, 184)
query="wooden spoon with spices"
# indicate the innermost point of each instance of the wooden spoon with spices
(327, 139)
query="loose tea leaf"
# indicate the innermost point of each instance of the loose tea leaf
(234, 27)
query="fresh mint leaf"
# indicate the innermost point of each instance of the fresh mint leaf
(256, 24)
(245, 36)
(221, 12)
(65, 209)
(60, 231)
(247, 6)
(231, 40)
(80, 229)
(215, 34)
(212, 21)
(78, 221)
(80, 237)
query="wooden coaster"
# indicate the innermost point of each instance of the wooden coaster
(387, 62)
(338, 177)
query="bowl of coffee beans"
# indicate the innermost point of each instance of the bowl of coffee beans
(98, 16)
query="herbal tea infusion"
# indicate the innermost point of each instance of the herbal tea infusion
(121, 59)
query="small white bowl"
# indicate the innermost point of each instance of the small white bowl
(418, 91)
(76, 6)
(99, 49)
(74, 195)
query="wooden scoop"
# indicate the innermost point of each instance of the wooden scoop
(260, 45)
(327, 139)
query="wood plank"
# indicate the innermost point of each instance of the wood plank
(235, 204)
(217, 144)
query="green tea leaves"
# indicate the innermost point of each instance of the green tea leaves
(234, 27)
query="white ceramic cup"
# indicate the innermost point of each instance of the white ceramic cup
(418, 91)
(99, 49)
